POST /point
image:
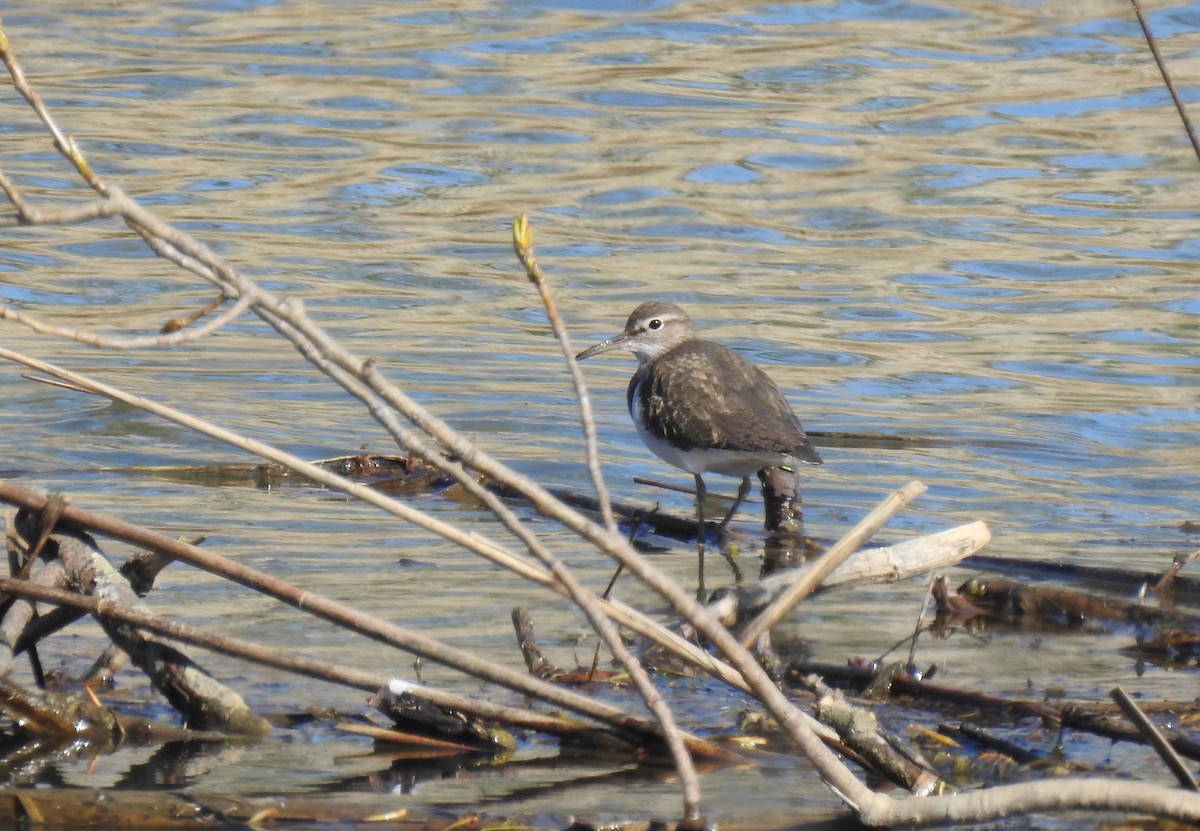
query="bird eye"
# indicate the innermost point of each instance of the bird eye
(654, 324)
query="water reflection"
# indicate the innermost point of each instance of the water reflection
(970, 222)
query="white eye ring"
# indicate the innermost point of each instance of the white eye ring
(654, 324)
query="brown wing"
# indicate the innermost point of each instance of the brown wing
(730, 403)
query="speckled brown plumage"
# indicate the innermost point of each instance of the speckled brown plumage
(702, 395)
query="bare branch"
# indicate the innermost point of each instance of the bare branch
(27, 214)
(62, 142)
(830, 560)
(263, 656)
(172, 339)
(523, 245)
(356, 621)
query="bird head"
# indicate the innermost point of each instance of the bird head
(652, 330)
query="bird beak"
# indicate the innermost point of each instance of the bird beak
(617, 342)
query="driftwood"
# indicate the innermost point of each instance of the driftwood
(874, 565)
(1164, 635)
(1014, 602)
(411, 712)
(21, 613)
(58, 714)
(203, 701)
(1128, 582)
(1101, 719)
(859, 729)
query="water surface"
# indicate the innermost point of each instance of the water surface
(970, 221)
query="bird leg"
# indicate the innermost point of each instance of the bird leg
(701, 495)
(743, 489)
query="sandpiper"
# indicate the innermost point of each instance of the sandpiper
(702, 407)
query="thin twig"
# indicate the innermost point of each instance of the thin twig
(64, 143)
(523, 245)
(1156, 739)
(690, 490)
(27, 214)
(688, 781)
(175, 324)
(1166, 76)
(174, 338)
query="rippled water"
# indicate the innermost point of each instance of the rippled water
(973, 221)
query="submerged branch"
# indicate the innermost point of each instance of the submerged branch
(204, 702)
(312, 668)
(354, 620)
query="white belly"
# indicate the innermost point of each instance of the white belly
(698, 460)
